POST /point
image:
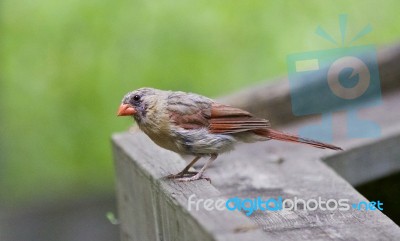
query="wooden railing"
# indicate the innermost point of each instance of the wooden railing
(151, 207)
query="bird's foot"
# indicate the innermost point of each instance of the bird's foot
(181, 175)
(197, 176)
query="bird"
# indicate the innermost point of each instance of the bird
(192, 124)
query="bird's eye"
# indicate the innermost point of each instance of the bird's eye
(136, 98)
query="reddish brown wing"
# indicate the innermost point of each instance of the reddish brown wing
(226, 119)
(191, 111)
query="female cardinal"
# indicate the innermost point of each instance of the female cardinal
(188, 123)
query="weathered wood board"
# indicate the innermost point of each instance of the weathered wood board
(153, 208)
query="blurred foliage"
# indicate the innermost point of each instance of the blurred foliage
(65, 65)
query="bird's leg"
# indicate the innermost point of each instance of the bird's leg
(200, 173)
(185, 171)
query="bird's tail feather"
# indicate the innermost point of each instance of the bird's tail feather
(280, 136)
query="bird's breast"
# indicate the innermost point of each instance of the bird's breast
(160, 135)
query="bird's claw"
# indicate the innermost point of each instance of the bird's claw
(193, 178)
(187, 176)
(181, 175)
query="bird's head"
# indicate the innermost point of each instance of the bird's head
(136, 103)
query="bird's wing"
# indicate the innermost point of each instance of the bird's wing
(225, 119)
(197, 112)
(188, 111)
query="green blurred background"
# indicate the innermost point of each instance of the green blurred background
(65, 65)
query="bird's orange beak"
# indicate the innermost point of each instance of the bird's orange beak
(126, 109)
